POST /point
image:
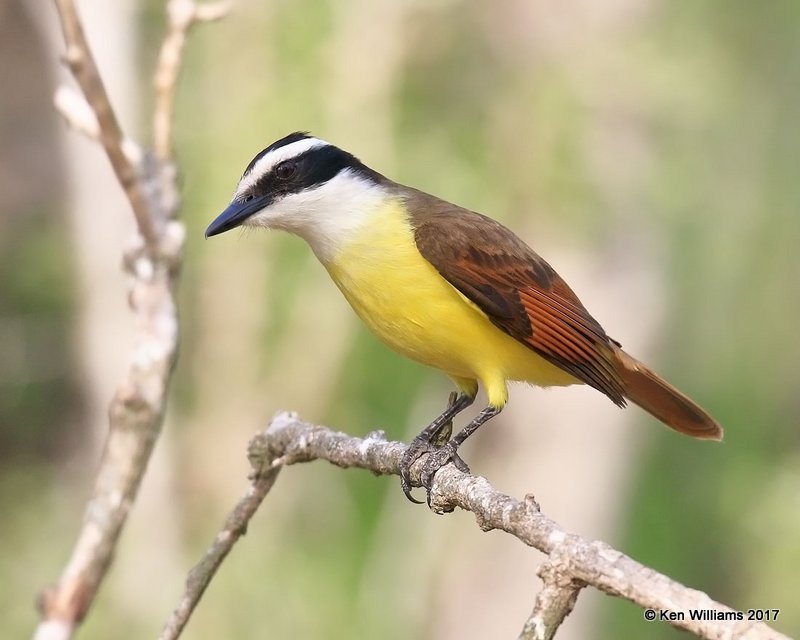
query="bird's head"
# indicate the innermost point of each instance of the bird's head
(306, 186)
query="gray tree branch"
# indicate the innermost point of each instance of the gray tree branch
(553, 603)
(153, 263)
(572, 563)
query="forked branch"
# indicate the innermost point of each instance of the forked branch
(153, 263)
(81, 62)
(573, 561)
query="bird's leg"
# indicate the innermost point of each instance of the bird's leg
(431, 439)
(442, 436)
(449, 452)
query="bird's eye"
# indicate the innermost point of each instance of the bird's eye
(285, 170)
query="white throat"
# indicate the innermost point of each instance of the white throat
(327, 216)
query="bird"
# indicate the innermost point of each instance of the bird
(447, 287)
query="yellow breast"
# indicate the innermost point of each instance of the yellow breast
(415, 311)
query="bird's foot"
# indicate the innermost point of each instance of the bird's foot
(435, 461)
(438, 456)
(419, 447)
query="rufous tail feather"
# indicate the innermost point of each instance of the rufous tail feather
(659, 398)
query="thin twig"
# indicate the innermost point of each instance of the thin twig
(573, 561)
(81, 63)
(80, 116)
(265, 472)
(181, 15)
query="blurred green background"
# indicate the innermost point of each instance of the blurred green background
(648, 149)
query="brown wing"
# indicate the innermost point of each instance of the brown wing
(519, 292)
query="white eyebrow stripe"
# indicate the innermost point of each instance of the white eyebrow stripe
(268, 162)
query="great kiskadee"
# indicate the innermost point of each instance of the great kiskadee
(447, 287)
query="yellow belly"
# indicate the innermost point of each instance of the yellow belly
(410, 307)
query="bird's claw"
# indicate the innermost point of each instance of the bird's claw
(419, 447)
(436, 460)
(438, 456)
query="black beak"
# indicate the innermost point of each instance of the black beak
(235, 215)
